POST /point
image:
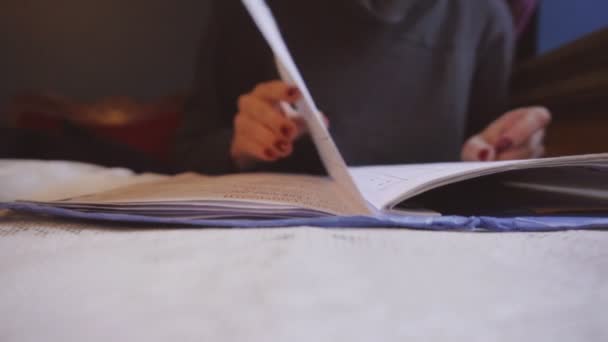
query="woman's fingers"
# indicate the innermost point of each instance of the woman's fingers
(252, 132)
(494, 131)
(525, 152)
(302, 128)
(250, 150)
(267, 115)
(517, 125)
(275, 91)
(519, 134)
(533, 148)
(477, 149)
(515, 135)
(262, 131)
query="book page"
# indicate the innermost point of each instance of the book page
(329, 153)
(382, 185)
(311, 192)
(386, 186)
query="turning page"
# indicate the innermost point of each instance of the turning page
(329, 153)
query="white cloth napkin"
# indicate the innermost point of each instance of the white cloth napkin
(50, 180)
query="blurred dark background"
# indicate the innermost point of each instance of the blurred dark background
(117, 66)
(146, 48)
(91, 48)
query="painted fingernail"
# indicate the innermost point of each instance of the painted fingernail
(291, 92)
(503, 144)
(281, 146)
(286, 131)
(269, 153)
(483, 154)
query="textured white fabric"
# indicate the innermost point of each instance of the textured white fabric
(63, 281)
(43, 180)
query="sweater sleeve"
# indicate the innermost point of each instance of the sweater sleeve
(489, 92)
(204, 138)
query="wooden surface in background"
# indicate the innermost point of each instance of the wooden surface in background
(572, 82)
(569, 137)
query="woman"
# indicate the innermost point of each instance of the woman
(400, 81)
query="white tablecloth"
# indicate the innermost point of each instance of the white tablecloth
(73, 281)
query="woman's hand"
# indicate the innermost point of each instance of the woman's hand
(517, 134)
(262, 131)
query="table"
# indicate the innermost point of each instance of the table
(88, 281)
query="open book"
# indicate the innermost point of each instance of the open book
(569, 184)
(555, 185)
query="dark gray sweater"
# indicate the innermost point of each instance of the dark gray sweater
(401, 81)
